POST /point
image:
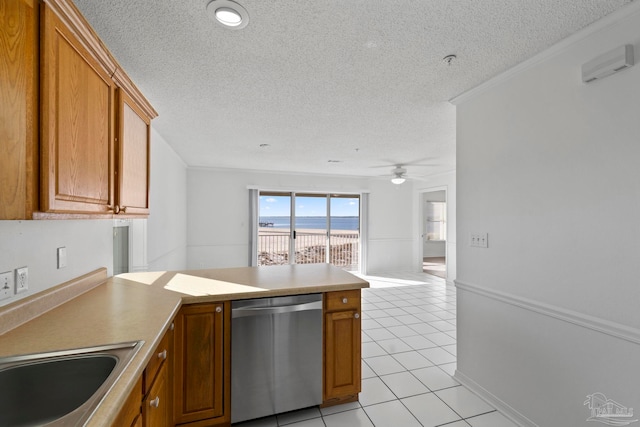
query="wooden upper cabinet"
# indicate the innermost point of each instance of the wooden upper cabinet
(74, 129)
(77, 122)
(133, 150)
(18, 109)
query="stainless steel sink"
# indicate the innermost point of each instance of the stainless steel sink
(62, 387)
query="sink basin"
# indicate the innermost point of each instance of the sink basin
(62, 387)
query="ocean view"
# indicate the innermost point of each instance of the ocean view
(313, 222)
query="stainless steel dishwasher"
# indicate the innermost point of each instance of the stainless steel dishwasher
(276, 355)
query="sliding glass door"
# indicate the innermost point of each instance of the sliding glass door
(345, 231)
(274, 228)
(311, 233)
(308, 228)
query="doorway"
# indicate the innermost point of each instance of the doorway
(308, 228)
(434, 236)
(120, 250)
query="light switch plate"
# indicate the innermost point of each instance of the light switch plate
(62, 257)
(479, 240)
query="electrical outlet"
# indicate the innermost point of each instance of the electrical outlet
(6, 285)
(22, 279)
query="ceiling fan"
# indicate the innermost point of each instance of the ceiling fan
(399, 170)
(399, 175)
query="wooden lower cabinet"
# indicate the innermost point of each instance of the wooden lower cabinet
(202, 386)
(130, 415)
(156, 406)
(150, 401)
(342, 347)
(187, 381)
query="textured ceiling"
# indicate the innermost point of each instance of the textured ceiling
(358, 81)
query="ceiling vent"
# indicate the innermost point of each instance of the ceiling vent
(608, 63)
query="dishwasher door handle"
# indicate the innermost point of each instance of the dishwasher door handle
(279, 309)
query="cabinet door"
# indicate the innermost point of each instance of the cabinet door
(132, 152)
(77, 98)
(201, 372)
(129, 415)
(18, 112)
(156, 407)
(342, 354)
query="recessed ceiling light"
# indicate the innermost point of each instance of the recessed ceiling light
(228, 13)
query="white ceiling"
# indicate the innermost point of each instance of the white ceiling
(359, 81)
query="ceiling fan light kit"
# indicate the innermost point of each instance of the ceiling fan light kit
(398, 175)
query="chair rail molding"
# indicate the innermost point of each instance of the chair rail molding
(594, 323)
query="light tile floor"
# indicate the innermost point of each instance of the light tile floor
(408, 359)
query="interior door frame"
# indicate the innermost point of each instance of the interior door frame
(422, 221)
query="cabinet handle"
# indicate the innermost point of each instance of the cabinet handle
(357, 315)
(155, 402)
(172, 327)
(123, 209)
(218, 309)
(162, 354)
(344, 300)
(116, 209)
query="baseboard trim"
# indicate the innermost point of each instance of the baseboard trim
(594, 323)
(504, 408)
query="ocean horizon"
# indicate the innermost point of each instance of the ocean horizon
(313, 222)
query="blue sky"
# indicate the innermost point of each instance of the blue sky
(307, 206)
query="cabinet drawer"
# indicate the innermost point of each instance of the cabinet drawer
(342, 300)
(159, 356)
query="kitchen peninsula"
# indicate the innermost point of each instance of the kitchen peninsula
(184, 317)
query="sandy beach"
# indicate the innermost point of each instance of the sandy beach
(311, 246)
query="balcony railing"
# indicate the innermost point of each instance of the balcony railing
(310, 248)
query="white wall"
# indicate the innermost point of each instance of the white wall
(442, 182)
(548, 167)
(34, 244)
(167, 223)
(390, 227)
(89, 243)
(433, 248)
(218, 215)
